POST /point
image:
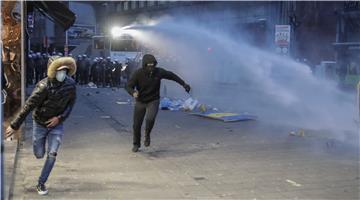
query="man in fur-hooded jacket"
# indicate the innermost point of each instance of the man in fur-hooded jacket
(51, 102)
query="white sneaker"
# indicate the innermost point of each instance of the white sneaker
(41, 189)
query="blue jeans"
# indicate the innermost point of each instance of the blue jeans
(54, 138)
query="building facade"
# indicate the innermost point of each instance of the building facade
(313, 24)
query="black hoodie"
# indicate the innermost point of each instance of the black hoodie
(148, 84)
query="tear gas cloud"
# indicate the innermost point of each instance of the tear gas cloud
(230, 74)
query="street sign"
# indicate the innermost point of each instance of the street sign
(282, 38)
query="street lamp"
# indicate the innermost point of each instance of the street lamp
(116, 31)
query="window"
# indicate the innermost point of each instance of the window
(99, 42)
(124, 45)
(151, 3)
(126, 5)
(133, 5)
(141, 4)
(162, 3)
(119, 7)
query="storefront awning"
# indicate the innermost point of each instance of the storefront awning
(56, 11)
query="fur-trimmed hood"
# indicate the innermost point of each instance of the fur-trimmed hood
(55, 62)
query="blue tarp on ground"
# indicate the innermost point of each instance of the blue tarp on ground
(226, 117)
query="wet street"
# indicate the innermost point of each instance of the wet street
(189, 158)
(260, 100)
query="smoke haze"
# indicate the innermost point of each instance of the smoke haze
(230, 74)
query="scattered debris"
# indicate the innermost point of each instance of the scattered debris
(97, 92)
(203, 110)
(177, 126)
(122, 102)
(190, 104)
(165, 103)
(88, 94)
(105, 117)
(92, 85)
(293, 183)
(292, 133)
(168, 104)
(300, 133)
(200, 178)
(226, 117)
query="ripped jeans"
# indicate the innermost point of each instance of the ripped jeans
(54, 138)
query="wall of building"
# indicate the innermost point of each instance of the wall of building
(11, 60)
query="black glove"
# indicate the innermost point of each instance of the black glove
(187, 88)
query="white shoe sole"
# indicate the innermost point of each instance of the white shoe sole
(43, 192)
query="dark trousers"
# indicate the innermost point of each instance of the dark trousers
(150, 109)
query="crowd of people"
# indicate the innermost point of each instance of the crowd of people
(103, 72)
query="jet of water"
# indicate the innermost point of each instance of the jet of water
(232, 75)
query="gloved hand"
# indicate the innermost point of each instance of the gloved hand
(187, 88)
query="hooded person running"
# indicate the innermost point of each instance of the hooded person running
(51, 102)
(144, 86)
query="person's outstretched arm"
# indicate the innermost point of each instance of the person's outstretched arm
(172, 76)
(37, 97)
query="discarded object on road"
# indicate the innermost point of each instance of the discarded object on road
(105, 117)
(168, 104)
(165, 103)
(226, 117)
(190, 104)
(202, 108)
(92, 85)
(293, 183)
(122, 102)
(300, 133)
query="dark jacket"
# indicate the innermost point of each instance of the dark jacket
(148, 84)
(50, 98)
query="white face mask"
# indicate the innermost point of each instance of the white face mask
(61, 75)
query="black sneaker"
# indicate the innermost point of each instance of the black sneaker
(147, 141)
(41, 189)
(135, 149)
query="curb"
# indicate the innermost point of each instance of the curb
(9, 183)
